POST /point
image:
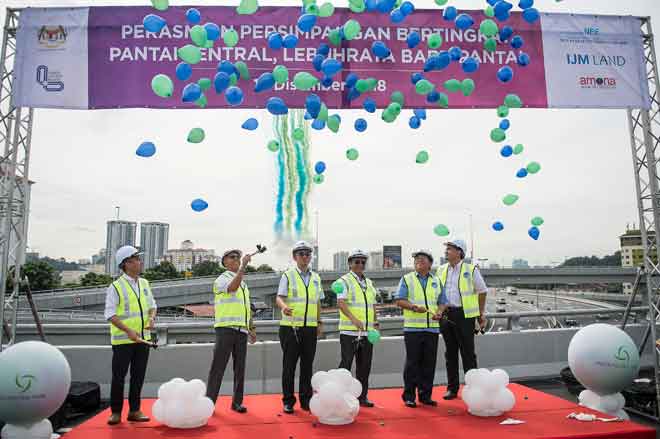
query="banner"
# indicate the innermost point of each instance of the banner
(102, 57)
(391, 256)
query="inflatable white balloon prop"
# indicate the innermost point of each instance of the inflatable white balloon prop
(604, 359)
(335, 400)
(183, 404)
(34, 381)
(486, 394)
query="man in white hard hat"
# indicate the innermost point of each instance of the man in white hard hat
(233, 326)
(357, 316)
(466, 300)
(422, 299)
(130, 308)
(299, 298)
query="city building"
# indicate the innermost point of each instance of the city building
(154, 238)
(31, 256)
(99, 258)
(632, 252)
(315, 258)
(340, 261)
(84, 261)
(185, 257)
(375, 261)
(520, 263)
(119, 233)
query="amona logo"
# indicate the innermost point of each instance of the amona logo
(623, 355)
(24, 382)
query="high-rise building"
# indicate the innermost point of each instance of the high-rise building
(185, 257)
(632, 252)
(99, 258)
(315, 258)
(520, 263)
(119, 233)
(375, 261)
(340, 262)
(154, 238)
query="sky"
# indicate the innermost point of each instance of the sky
(84, 164)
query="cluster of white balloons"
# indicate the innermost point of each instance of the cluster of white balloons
(486, 393)
(183, 404)
(335, 400)
(611, 404)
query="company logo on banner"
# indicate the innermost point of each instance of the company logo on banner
(596, 60)
(52, 37)
(50, 80)
(597, 82)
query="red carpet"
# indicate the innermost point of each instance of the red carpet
(544, 416)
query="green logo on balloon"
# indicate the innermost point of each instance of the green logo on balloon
(623, 355)
(24, 382)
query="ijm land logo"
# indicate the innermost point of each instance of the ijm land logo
(601, 82)
(52, 37)
(24, 382)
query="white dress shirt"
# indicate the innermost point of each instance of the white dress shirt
(451, 284)
(112, 297)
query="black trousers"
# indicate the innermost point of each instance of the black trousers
(363, 352)
(135, 355)
(419, 369)
(297, 343)
(228, 342)
(458, 333)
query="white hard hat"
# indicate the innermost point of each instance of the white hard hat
(423, 252)
(126, 252)
(302, 245)
(458, 243)
(357, 253)
(228, 252)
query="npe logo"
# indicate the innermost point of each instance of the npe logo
(24, 382)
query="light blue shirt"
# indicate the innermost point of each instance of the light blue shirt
(402, 294)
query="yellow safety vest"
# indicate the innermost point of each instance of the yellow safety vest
(302, 299)
(427, 298)
(469, 299)
(133, 312)
(232, 309)
(360, 302)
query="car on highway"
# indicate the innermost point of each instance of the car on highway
(523, 300)
(570, 322)
(501, 309)
(501, 301)
(602, 317)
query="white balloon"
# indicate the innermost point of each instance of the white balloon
(587, 398)
(199, 386)
(38, 430)
(204, 408)
(178, 380)
(355, 388)
(504, 401)
(158, 411)
(315, 405)
(467, 395)
(621, 414)
(482, 377)
(168, 391)
(470, 377)
(189, 392)
(500, 378)
(318, 379)
(343, 377)
(478, 400)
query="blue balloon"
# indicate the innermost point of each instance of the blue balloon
(380, 50)
(371, 5)
(306, 22)
(503, 16)
(228, 68)
(198, 205)
(416, 77)
(505, 74)
(313, 105)
(265, 82)
(432, 97)
(385, 6)
(437, 62)
(308, 116)
(146, 149)
(351, 80)
(492, 2)
(464, 21)
(274, 40)
(470, 65)
(455, 53)
(369, 105)
(523, 59)
(505, 33)
(353, 94)
(212, 31)
(221, 82)
(502, 7)
(360, 125)
(153, 23)
(517, 42)
(330, 67)
(326, 81)
(276, 106)
(449, 14)
(506, 151)
(251, 124)
(531, 15)
(522, 173)
(290, 41)
(414, 122)
(396, 16)
(505, 124)
(534, 233)
(323, 49)
(193, 16)
(191, 92)
(319, 167)
(318, 124)
(413, 39)
(407, 8)
(525, 4)
(420, 113)
(183, 71)
(234, 95)
(317, 61)
(498, 226)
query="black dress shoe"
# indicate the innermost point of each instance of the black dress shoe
(450, 395)
(288, 409)
(411, 404)
(239, 408)
(430, 402)
(366, 403)
(305, 407)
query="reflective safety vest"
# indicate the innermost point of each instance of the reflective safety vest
(360, 302)
(427, 298)
(469, 299)
(302, 299)
(133, 312)
(232, 309)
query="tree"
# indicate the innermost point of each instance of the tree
(164, 270)
(93, 279)
(250, 269)
(265, 268)
(207, 268)
(42, 276)
(594, 261)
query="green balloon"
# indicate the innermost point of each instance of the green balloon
(357, 6)
(441, 230)
(351, 29)
(512, 101)
(247, 7)
(372, 83)
(323, 113)
(189, 53)
(298, 134)
(510, 199)
(162, 85)
(242, 70)
(489, 11)
(201, 102)
(443, 101)
(209, 44)
(352, 154)
(441, 2)
(488, 27)
(394, 108)
(337, 287)
(281, 74)
(398, 97)
(533, 167)
(435, 41)
(233, 79)
(326, 10)
(422, 157)
(334, 37)
(490, 44)
(333, 123)
(198, 35)
(196, 135)
(312, 9)
(424, 87)
(161, 5)
(305, 81)
(362, 85)
(373, 336)
(230, 37)
(452, 85)
(537, 221)
(518, 149)
(273, 145)
(204, 83)
(388, 116)
(497, 135)
(502, 111)
(467, 86)
(318, 178)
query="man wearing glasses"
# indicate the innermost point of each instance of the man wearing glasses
(298, 297)
(233, 326)
(130, 308)
(357, 316)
